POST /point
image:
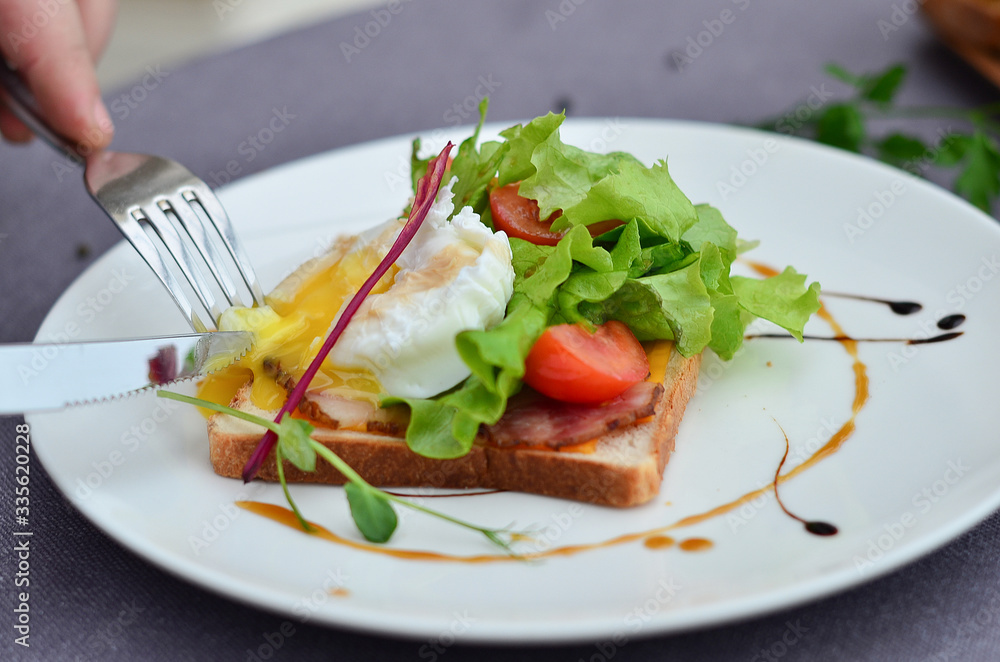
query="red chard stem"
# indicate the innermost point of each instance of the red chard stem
(427, 190)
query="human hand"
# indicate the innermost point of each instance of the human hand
(54, 45)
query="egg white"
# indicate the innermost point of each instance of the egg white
(453, 276)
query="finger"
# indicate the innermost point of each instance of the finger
(13, 129)
(48, 47)
(98, 17)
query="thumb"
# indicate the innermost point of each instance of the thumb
(48, 47)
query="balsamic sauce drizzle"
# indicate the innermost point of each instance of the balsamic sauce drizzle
(898, 307)
(906, 341)
(951, 321)
(946, 323)
(815, 527)
(461, 493)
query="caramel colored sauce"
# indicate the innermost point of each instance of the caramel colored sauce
(339, 592)
(658, 542)
(696, 544)
(286, 517)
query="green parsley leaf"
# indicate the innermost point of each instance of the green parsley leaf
(899, 148)
(843, 75)
(881, 88)
(841, 125)
(980, 179)
(952, 149)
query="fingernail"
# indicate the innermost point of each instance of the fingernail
(102, 118)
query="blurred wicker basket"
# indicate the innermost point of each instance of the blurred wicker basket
(973, 22)
(972, 29)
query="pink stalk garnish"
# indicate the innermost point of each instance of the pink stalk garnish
(427, 190)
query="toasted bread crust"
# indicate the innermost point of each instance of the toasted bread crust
(625, 469)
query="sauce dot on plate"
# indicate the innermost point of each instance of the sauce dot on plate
(696, 544)
(658, 542)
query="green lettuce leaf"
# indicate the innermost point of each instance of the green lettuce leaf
(783, 299)
(665, 272)
(635, 191)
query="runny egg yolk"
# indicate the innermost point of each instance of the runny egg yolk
(455, 275)
(290, 330)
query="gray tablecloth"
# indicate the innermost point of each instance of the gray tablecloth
(335, 85)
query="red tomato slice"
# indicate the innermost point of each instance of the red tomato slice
(520, 217)
(571, 364)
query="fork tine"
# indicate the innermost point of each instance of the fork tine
(185, 259)
(192, 223)
(201, 194)
(133, 231)
(137, 189)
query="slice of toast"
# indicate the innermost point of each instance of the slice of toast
(625, 468)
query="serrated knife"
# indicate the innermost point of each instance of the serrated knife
(39, 377)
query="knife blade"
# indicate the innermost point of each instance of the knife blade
(39, 377)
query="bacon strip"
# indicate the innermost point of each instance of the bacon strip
(534, 419)
(337, 412)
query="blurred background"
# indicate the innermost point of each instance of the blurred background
(187, 29)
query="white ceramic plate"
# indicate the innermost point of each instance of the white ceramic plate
(922, 466)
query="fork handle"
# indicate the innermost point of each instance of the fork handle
(19, 99)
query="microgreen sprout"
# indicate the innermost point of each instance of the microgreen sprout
(370, 507)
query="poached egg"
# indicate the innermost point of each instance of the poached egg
(453, 276)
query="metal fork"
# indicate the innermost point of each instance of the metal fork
(140, 191)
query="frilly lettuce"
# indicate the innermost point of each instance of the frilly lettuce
(664, 273)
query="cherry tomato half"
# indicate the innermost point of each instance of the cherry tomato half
(520, 217)
(571, 364)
